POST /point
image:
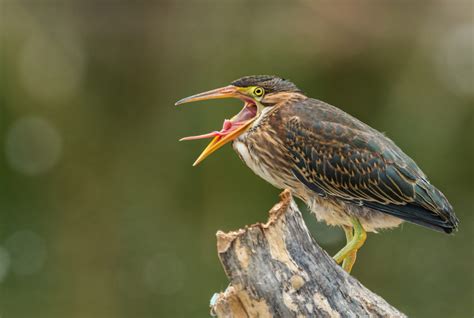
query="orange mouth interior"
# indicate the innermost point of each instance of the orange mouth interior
(231, 129)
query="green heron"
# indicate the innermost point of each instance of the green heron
(348, 173)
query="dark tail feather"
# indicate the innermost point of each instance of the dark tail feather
(419, 215)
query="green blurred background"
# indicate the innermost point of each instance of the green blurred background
(102, 214)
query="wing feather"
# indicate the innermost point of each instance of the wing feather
(336, 155)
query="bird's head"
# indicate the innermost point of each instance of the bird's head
(257, 92)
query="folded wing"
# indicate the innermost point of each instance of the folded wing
(336, 155)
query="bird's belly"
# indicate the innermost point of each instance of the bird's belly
(337, 212)
(255, 165)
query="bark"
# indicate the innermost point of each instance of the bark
(276, 269)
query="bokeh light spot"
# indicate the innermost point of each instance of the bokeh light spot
(33, 146)
(4, 263)
(51, 66)
(27, 252)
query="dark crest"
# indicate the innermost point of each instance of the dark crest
(269, 83)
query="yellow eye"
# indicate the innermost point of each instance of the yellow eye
(258, 91)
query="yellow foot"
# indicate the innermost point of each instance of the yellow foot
(355, 239)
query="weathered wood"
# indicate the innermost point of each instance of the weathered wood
(277, 270)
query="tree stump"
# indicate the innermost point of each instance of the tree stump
(276, 269)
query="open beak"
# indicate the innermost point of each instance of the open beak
(232, 128)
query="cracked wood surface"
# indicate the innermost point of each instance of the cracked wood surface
(276, 269)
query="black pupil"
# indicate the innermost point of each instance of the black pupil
(259, 91)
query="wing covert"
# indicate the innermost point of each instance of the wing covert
(347, 163)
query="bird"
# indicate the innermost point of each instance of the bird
(348, 173)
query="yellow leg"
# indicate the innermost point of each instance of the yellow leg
(351, 257)
(350, 250)
(348, 230)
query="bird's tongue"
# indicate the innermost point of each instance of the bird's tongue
(227, 128)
